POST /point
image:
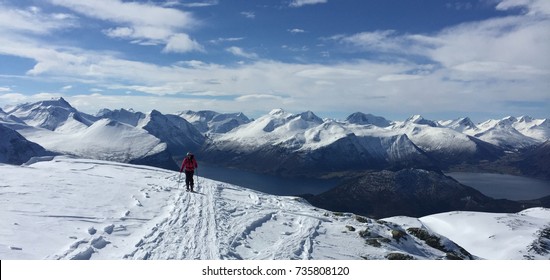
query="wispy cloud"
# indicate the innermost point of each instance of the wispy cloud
(33, 20)
(249, 14)
(534, 7)
(199, 4)
(500, 48)
(459, 6)
(67, 87)
(222, 40)
(300, 3)
(240, 52)
(161, 25)
(296, 30)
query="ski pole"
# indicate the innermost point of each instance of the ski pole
(179, 180)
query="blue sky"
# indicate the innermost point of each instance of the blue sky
(394, 58)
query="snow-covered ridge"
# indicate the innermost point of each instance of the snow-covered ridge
(214, 122)
(90, 209)
(304, 138)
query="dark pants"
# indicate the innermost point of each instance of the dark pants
(189, 178)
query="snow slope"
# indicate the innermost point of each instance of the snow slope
(504, 132)
(179, 135)
(484, 234)
(105, 139)
(497, 236)
(69, 208)
(88, 209)
(538, 129)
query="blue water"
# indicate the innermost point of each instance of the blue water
(497, 186)
(504, 186)
(266, 183)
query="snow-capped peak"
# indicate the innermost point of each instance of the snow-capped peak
(49, 114)
(214, 122)
(278, 112)
(311, 117)
(507, 121)
(418, 119)
(58, 102)
(362, 119)
(122, 115)
(525, 119)
(464, 125)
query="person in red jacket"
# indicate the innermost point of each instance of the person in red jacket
(189, 165)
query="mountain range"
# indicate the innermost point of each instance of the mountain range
(280, 143)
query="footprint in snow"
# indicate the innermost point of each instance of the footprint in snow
(99, 242)
(84, 255)
(109, 229)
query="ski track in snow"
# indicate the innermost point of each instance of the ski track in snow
(183, 234)
(191, 230)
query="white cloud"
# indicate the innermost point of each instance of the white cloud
(296, 30)
(5, 89)
(181, 43)
(258, 97)
(502, 47)
(12, 98)
(399, 77)
(120, 32)
(33, 20)
(142, 23)
(222, 40)
(134, 13)
(240, 52)
(300, 3)
(534, 7)
(468, 66)
(67, 87)
(193, 4)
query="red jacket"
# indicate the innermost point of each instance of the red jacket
(188, 164)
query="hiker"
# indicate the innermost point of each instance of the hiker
(189, 165)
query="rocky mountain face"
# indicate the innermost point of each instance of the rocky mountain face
(535, 162)
(15, 149)
(179, 135)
